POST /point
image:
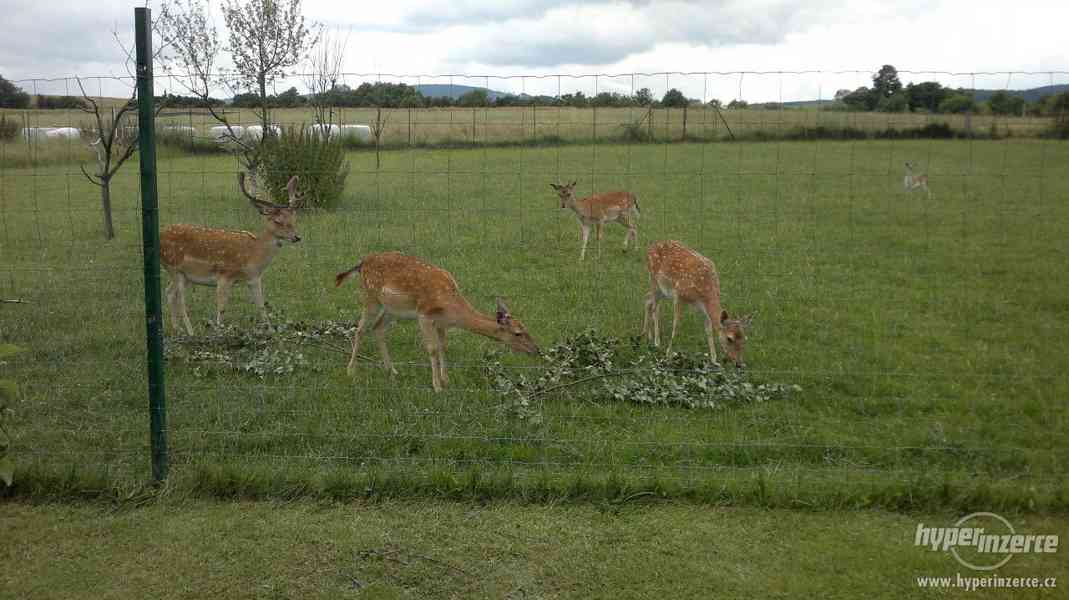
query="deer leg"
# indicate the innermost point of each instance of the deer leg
(171, 289)
(180, 298)
(222, 293)
(597, 230)
(256, 287)
(586, 236)
(369, 317)
(380, 327)
(655, 315)
(710, 333)
(677, 308)
(430, 342)
(441, 356)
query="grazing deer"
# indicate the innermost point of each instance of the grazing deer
(596, 210)
(397, 286)
(912, 182)
(198, 255)
(679, 273)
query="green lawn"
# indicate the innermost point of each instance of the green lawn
(174, 549)
(929, 336)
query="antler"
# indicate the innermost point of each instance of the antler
(252, 198)
(296, 199)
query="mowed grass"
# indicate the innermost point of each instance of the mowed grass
(176, 549)
(928, 335)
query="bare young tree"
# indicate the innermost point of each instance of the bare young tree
(323, 71)
(266, 38)
(112, 137)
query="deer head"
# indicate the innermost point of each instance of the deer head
(733, 337)
(280, 217)
(512, 333)
(566, 193)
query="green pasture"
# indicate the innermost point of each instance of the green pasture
(928, 335)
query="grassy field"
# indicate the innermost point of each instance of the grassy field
(928, 336)
(443, 550)
(430, 126)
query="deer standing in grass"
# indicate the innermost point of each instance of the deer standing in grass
(679, 273)
(197, 255)
(596, 210)
(397, 286)
(913, 182)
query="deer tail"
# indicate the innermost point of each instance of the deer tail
(634, 202)
(343, 277)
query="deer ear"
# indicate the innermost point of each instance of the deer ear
(723, 316)
(554, 186)
(502, 312)
(572, 184)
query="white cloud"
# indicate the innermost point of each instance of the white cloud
(536, 38)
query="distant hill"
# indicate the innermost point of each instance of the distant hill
(445, 90)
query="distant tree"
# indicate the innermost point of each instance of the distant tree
(12, 96)
(957, 103)
(714, 103)
(893, 104)
(1005, 103)
(861, 99)
(59, 102)
(674, 98)
(475, 98)
(578, 100)
(644, 97)
(738, 104)
(839, 95)
(507, 100)
(885, 82)
(926, 96)
(290, 98)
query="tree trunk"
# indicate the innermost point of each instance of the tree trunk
(264, 120)
(105, 205)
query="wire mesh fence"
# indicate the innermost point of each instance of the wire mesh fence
(905, 346)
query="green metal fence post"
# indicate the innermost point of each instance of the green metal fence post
(150, 228)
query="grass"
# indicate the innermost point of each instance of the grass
(632, 549)
(929, 336)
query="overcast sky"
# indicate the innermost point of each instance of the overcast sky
(508, 45)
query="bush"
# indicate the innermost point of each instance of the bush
(9, 128)
(320, 163)
(12, 96)
(60, 102)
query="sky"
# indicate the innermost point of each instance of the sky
(756, 50)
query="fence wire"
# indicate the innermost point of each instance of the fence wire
(922, 337)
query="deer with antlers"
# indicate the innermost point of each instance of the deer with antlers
(596, 210)
(197, 255)
(679, 273)
(913, 182)
(397, 286)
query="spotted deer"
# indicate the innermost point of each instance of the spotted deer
(197, 255)
(397, 286)
(913, 182)
(679, 273)
(596, 210)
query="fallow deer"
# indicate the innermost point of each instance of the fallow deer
(596, 210)
(679, 273)
(913, 182)
(197, 255)
(397, 286)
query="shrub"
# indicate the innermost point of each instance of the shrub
(319, 162)
(12, 96)
(9, 128)
(60, 102)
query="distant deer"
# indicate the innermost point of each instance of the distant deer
(596, 210)
(397, 286)
(679, 273)
(197, 255)
(912, 182)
